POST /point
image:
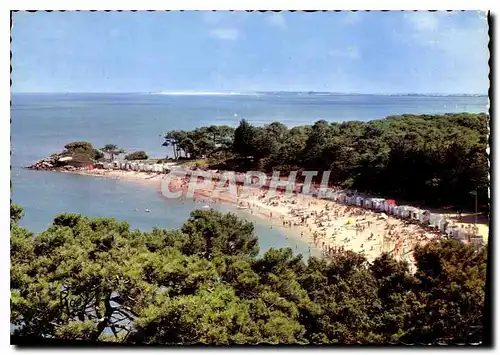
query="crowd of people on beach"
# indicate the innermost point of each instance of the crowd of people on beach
(331, 227)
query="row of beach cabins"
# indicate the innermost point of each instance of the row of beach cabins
(435, 221)
(125, 165)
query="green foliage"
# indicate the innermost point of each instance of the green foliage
(202, 142)
(434, 159)
(451, 291)
(16, 213)
(112, 150)
(83, 153)
(221, 234)
(83, 147)
(244, 139)
(95, 279)
(139, 155)
(97, 154)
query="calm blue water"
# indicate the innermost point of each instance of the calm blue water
(43, 123)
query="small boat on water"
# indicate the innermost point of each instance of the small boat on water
(147, 210)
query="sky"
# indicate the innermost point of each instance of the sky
(351, 52)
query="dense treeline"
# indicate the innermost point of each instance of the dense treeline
(435, 159)
(95, 279)
(216, 141)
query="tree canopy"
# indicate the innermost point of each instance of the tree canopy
(215, 141)
(95, 279)
(432, 159)
(139, 155)
(82, 153)
(112, 150)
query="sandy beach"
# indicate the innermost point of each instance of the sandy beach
(325, 225)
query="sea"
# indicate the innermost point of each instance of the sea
(41, 124)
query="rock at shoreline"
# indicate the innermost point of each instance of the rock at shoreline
(76, 156)
(56, 162)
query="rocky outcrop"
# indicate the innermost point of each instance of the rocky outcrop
(75, 156)
(56, 162)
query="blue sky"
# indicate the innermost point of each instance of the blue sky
(366, 52)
